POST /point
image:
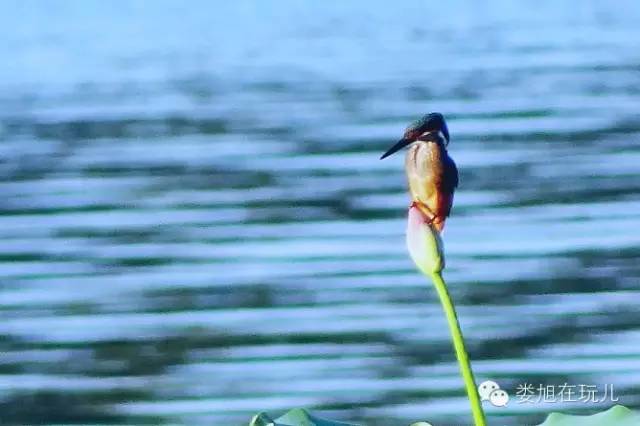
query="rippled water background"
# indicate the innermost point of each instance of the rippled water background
(195, 225)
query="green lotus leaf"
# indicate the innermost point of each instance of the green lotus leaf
(616, 415)
(295, 417)
(261, 419)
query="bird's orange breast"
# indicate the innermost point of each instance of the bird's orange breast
(426, 177)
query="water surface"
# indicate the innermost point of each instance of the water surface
(196, 227)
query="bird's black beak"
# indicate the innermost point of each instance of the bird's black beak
(397, 147)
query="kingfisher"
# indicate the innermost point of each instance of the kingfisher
(431, 172)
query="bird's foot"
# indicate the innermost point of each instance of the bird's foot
(427, 215)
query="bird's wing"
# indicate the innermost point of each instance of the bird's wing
(451, 172)
(451, 181)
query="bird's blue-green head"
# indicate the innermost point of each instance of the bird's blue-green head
(429, 124)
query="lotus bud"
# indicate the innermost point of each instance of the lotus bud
(424, 243)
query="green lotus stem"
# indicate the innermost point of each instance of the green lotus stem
(427, 251)
(459, 347)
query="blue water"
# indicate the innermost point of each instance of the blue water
(196, 227)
